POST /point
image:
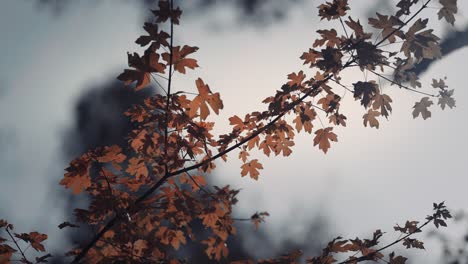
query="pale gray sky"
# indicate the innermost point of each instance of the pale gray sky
(370, 179)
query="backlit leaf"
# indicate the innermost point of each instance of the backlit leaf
(251, 168)
(421, 107)
(204, 98)
(370, 117)
(323, 138)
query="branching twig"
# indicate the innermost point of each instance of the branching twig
(372, 254)
(401, 85)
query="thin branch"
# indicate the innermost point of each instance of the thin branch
(344, 28)
(161, 76)
(17, 246)
(344, 86)
(401, 85)
(107, 180)
(160, 86)
(372, 254)
(201, 187)
(168, 101)
(404, 23)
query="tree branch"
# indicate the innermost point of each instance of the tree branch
(168, 174)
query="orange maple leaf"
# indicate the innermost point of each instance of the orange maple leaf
(179, 59)
(323, 138)
(137, 167)
(77, 177)
(204, 98)
(251, 168)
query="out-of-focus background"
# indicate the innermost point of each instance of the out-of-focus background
(59, 97)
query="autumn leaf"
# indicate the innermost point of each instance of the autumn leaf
(323, 138)
(329, 37)
(331, 60)
(139, 247)
(237, 122)
(284, 146)
(404, 7)
(165, 12)
(112, 154)
(77, 177)
(365, 91)
(179, 58)
(422, 44)
(330, 103)
(310, 57)
(333, 10)
(171, 237)
(138, 139)
(439, 84)
(6, 253)
(34, 238)
(370, 117)
(143, 68)
(422, 108)
(129, 76)
(137, 167)
(448, 10)
(446, 99)
(306, 114)
(337, 119)
(159, 38)
(296, 78)
(203, 99)
(358, 29)
(177, 239)
(388, 26)
(209, 219)
(413, 243)
(251, 168)
(397, 259)
(382, 103)
(216, 248)
(243, 155)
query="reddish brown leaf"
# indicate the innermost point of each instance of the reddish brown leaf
(323, 138)
(422, 108)
(370, 117)
(251, 168)
(34, 238)
(179, 58)
(129, 76)
(203, 99)
(448, 10)
(77, 177)
(137, 167)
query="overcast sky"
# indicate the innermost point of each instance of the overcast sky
(370, 179)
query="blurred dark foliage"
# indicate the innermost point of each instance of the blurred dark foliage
(454, 247)
(250, 11)
(99, 118)
(98, 121)
(452, 42)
